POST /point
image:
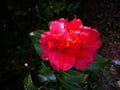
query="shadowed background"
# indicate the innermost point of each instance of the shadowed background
(18, 18)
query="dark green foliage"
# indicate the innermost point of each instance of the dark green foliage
(99, 63)
(28, 84)
(72, 80)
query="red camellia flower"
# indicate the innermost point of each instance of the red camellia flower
(69, 44)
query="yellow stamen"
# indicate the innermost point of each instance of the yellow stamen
(71, 31)
(75, 40)
(67, 44)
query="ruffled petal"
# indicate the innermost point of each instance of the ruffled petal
(74, 24)
(90, 38)
(61, 61)
(80, 64)
(67, 62)
(85, 59)
(94, 45)
(89, 32)
(57, 27)
(55, 57)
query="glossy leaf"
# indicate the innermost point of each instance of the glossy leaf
(70, 85)
(35, 37)
(71, 80)
(28, 84)
(99, 63)
(75, 76)
(45, 74)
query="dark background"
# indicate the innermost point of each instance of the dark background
(18, 18)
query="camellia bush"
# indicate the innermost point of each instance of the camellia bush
(68, 57)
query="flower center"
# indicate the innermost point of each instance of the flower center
(72, 38)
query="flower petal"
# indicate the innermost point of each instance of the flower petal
(67, 62)
(60, 61)
(57, 27)
(85, 59)
(74, 24)
(55, 59)
(94, 45)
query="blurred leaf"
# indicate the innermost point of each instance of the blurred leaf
(71, 80)
(110, 78)
(99, 63)
(72, 6)
(46, 74)
(75, 76)
(28, 84)
(70, 85)
(58, 6)
(35, 37)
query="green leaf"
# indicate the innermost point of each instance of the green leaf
(70, 85)
(75, 76)
(99, 63)
(45, 74)
(72, 80)
(35, 37)
(28, 84)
